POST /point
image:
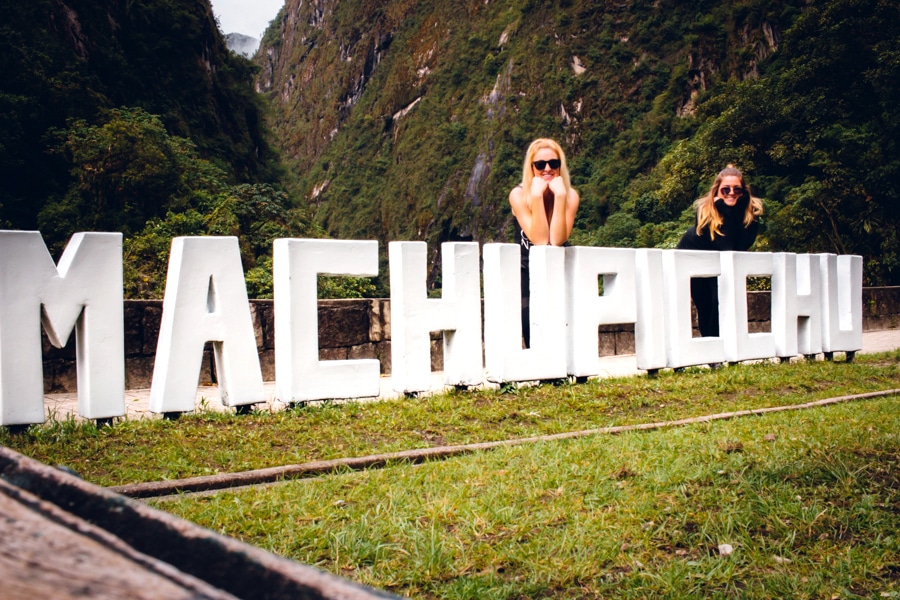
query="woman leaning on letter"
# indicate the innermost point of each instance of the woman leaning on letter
(727, 219)
(544, 205)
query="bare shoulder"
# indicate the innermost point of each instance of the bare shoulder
(573, 197)
(516, 195)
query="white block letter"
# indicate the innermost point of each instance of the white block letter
(205, 301)
(414, 316)
(740, 344)
(678, 268)
(586, 311)
(84, 293)
(796, 305)
(299, 374)
(841, 302)
(505, 358)
(650, 327)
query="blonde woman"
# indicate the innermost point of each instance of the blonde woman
(727, 219)
(544, 205)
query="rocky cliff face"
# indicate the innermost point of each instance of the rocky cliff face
(317, 67)
(409, 120)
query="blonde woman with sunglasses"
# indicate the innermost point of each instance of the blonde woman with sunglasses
(544, 206)
(727, 219)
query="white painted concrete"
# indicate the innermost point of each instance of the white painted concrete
(586, 311)
(83, 293)
(505, 359)
(414, 316)
(299, 373)
(205, 301)
(63, 406)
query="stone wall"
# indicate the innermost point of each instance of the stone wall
(351, 329)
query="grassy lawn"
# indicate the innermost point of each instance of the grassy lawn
(795, 504)
(808, 501)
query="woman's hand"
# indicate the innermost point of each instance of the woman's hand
(541, 228)
(558, 187)
(538, 186)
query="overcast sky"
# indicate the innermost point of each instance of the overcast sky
(250, 17)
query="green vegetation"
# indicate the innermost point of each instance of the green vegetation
(806, 500)
(815, 134)
(209, 442)
(136, 118)
(407, 120)
(413, 126)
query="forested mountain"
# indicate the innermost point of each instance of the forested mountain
(408, 119)
(133, 116)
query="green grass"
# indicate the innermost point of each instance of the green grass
(808, 500)
(209, 442)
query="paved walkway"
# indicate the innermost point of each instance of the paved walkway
(62, 406)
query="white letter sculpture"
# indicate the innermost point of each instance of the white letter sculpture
(586, 310)
(650, 327)
(505, 358)
(299, 374)
(414, 316)
(205, 301)
(796, 305)
(83, 293)
(740, 344)
(841, 302)
(679, 266)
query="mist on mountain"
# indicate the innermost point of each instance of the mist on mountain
(244, 45)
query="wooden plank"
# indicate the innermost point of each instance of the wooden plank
(43, 558)
(157, 543)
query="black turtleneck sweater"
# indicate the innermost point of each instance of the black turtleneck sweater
(734, 236)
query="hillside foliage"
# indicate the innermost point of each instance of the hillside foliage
(134, 117)
(408, 120)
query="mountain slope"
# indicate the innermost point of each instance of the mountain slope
(63, 60)
(409, 120)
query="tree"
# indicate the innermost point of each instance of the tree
(816, 135)
(256, 214)
(125, 170)
(130, 175)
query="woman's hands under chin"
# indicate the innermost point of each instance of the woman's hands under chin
(558, 186)
(538, 185)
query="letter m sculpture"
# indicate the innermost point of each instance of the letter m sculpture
(83, 293)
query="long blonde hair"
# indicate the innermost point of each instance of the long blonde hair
(528, 171)
(705, 206)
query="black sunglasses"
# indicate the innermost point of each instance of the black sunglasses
(553, 162)
(727, 190)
